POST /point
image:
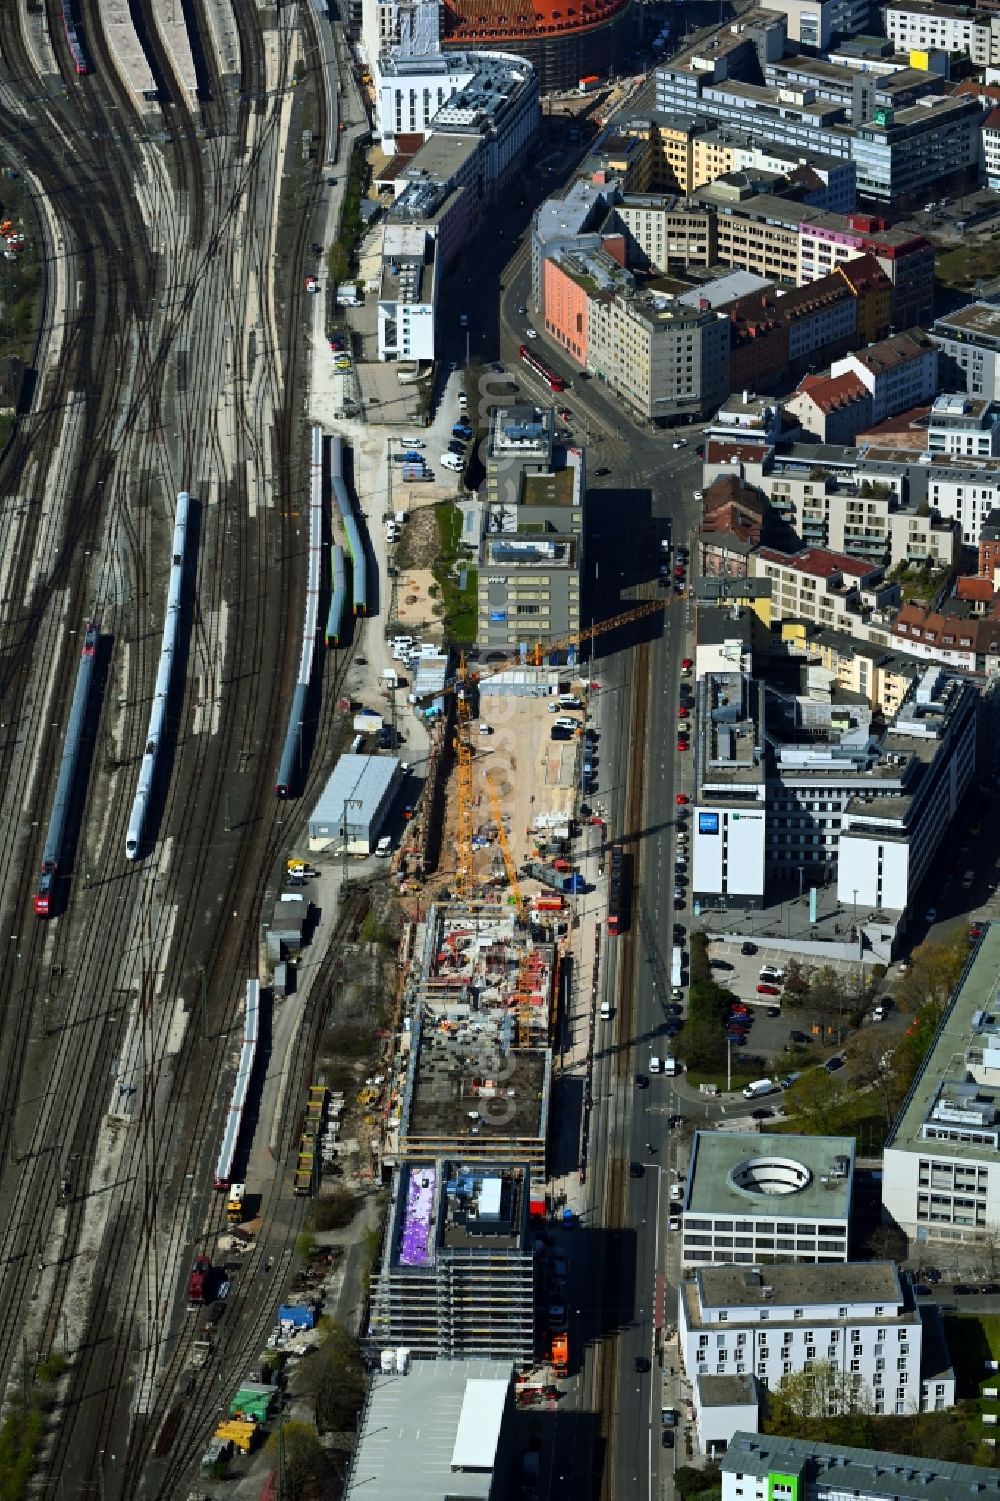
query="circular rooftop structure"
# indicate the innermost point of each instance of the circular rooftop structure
(769, 1177)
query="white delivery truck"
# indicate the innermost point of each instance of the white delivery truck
(677, 965)
(757, 1087)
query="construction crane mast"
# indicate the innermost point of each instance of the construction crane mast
(508, 855)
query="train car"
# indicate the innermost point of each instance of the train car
(164, 675)
(552, 380)
(617, 892)
(338, 599)
(72, 38)
(241, 1088)
(291, 753)
(349, 525)
(45, 891)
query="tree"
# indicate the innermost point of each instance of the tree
(817, 1101)
(820, 1391)
(701, 1045)
(297, 1448)
(865, 1050)
(333, 1210)
(935, 969)
(333, 1376)
(796, 986)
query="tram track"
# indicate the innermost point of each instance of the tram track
(607, 1359)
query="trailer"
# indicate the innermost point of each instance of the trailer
(199, 1282)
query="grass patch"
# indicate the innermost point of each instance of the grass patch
(966, 264)
(973, 1339)
(460, 605)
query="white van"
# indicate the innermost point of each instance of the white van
(667, 1066)
(605, 1011)
(453, 462)
(291, 896)
(758, 1087)
(384, 847)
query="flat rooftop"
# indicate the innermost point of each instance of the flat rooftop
(791, 1285)
(727, 1391)
(442, 1417)
(865, 1472)
(966, 1028)
(979, 319)
(821, 1195)
(455, 1205)
(470, 1084)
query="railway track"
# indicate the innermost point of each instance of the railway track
(125, 475)
(607, 1355)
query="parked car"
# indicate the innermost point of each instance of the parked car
(640, 1365)
(799, 1038)
(636, 1170)
(832, 1064)
(746, 947)
(768, 990)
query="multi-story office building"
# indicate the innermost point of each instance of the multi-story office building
(478, 142)
(762, 1467)
(458, 1274)
(969, 341)
(531, 553)
(888, 844)
(915, 27)
(805, 785)
(860, 1319)
(900, 154)
(661, 357)
(409, 90)
(818, 23)
(906, 258)
(965, 426)
(407, 292)
(767, 1199)
(941, 1172)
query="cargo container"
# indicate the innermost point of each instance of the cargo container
(588, 84)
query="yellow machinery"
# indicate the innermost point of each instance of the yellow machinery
(505, 850)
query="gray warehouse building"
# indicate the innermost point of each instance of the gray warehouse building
(355, 803)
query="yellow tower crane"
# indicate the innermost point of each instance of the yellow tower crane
(508, 855)
(463, 762)
(460, 684)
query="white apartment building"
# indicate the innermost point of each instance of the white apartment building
(964, 491)
(767, 1198)
(991, 149)
(409, 91)
(857, 513)
(772, 1322)
(730, 815)
(965, 426)
(832, 589)
(969, 342)
(913, 27)
(941, 1172)
(900, 372)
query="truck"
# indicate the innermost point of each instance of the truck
(559, 1353)
(199, 1290)
(677, 965)
(234, 1203)
(758, 1087)
(416, 474)
(566, 882)
(588, 83)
